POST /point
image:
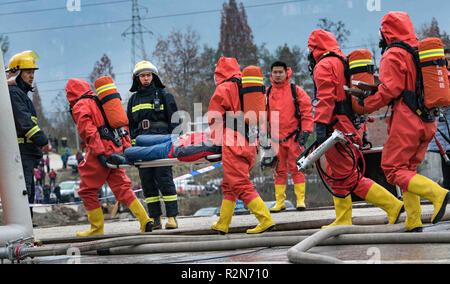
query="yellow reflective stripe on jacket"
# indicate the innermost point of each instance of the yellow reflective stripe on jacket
(431, 53)
(255, 80)
(105, 88)
(34, 119)
(170, 198)
(359, 63)
(152, 199)
(133, 141)
(21, 140)
(32, 131)
(142, 106)
(145, 106)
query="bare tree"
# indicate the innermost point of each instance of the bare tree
(178, 62)
(337, 28)
(236, 36)
(103, 67)
(433, 30)
(205, 87)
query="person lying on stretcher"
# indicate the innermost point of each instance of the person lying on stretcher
(186, 148)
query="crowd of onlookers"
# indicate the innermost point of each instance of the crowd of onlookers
(47, 189)
(45, 182)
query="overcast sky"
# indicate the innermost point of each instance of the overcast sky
(70, 35)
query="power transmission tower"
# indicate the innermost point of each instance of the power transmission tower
(136, 30)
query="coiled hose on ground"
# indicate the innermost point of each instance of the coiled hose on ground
(301, 241)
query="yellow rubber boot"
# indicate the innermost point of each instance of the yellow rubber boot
(138, 210)
(343, 209)
(95, 217)
(299, 190)
(261, 212)
(430, 190)
(382, 198)
(413, 223)
(226, 213)
(172, 223)
(280, 196)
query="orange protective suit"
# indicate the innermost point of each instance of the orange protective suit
(329, 79)
(238, 156)
(93, 174)
(280, 101)
(408, 135)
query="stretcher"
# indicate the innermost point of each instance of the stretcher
(167, 162)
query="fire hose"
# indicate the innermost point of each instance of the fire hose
(301, 240)
(310, 158)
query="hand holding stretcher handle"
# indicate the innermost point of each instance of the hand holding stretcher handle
(365, 86)
(360, 94)
(362, 90)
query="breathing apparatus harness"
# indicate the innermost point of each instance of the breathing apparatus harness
(341, 108)
(106, 131)
(298, 130)
(250, 133)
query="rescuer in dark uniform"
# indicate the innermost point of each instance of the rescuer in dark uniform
(149, 111)
(32, 139)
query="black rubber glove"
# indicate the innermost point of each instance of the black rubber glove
(102, 159)
(117, 159)
(304, 138)
(360, 101)
(321, 132)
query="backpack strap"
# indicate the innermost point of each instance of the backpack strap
(414, 99)
(344, 107)
(297, 131)
(238, 120)
(105, 130)
(344, 62)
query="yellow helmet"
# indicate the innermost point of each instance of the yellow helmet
(144, 66)
(24, 60)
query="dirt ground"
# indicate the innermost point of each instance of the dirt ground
(64, 215)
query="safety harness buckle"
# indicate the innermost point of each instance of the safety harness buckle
(145, 124)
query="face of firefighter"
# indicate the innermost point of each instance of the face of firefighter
(447, 56)
(27, 76)
(279, 74)
(146, 78)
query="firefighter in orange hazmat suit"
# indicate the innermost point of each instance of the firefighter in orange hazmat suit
(295, 123)
(329, 79)
(408, 134)
(92, 169)
(238, 155)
